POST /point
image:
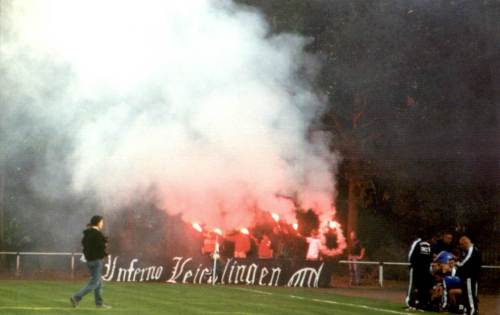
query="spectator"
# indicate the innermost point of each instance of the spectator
(242, 244)
(278, 243)
(468, 270)
(265, 251)
(314, 247)
(356, 252)
(209, 240)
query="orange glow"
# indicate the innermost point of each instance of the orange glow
(295, 226)
(333, 225)
(197, 227)
(275, 216)
(218, 231)
(245, 231)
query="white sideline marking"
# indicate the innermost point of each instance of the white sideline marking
(254, 291)
(366, 307)
(229, 312)
(376, 309)
(44, 308)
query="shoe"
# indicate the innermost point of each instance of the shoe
(73, 302)
(105, 306)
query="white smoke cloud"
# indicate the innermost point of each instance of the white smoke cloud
(193, 102)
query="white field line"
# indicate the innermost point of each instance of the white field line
(254, 291)
(230, 312)
(46, 308)
(360, 306)
(366, 307)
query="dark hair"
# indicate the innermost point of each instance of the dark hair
(94, 221)
(466, 236)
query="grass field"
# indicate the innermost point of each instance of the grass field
(43, 297)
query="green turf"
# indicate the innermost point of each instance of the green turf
(42, 297)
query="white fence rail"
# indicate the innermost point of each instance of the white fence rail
(19, 254)
(380, 264)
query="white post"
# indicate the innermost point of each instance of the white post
(381, 274)
(18, 264)
(215, 255)
(72, 265)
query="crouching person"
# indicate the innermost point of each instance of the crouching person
(94, 249)
(451, 295)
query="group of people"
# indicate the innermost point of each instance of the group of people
(444, 277)
(280, 244)
(238, 245)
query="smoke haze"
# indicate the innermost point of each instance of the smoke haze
(192, 103)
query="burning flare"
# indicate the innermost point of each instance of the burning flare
(197, 227)
(218, 231)
(245, 231)
(163, 113)
(333, 225)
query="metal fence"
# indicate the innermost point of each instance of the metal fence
(18, 255)
(381, 265)
(71, 263)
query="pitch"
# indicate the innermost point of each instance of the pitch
(43, 297)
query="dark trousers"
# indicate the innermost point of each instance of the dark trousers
(469, 294)
(419, 286)
(354, 271)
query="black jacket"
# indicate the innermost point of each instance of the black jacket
(470, 265)
(420, 256)
(94, 244)
(441, 246)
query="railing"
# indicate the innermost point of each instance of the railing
(19, 254)
(380, 264)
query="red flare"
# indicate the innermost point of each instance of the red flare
(218, 231)
(197, 227)
(245, 231)
(333, 225)
(295, 226)
(275, 216)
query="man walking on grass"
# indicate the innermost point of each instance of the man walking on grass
(94, 249)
